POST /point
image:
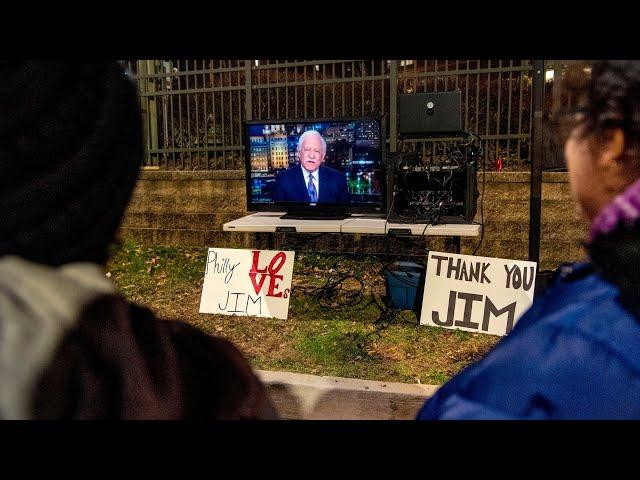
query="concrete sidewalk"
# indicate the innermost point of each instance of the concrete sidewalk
(301, 396)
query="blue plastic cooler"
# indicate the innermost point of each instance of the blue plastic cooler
(403, 280)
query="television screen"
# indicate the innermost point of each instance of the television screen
(318, 163)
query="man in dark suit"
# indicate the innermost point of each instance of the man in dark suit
(311, 181)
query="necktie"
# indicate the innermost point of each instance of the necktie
(311, 188)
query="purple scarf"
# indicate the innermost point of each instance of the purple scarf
(625, 208)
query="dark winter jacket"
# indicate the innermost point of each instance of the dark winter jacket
(72, 348)
(574, 355)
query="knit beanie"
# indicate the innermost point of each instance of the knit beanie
(70, 150)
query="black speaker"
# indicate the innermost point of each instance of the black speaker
(434, 193)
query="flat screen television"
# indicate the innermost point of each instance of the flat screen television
(325, 168)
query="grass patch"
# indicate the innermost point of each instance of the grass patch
(318, 338)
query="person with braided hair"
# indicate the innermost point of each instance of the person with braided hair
(71, 347)
(576, 353)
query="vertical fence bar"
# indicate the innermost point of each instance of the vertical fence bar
(435, 78)
(144, 107)
(477, 130)
(230, 113)
(215, 120)
(466, 100)
(179, 141)
(304, 90)
(197, 118)
(382, 89)
(498, 108)
(343, 94)
(295, 90)
(180, 123)
(362, 74)
(205, 116)
(267, 74)
(372, 88)
(222, 115)
(240, 137)
(393, 106)
(531, 102)
(521, 78)
(324, 91)
(535, 205)
(153, 111)
(446, 75)
(278, 90)
(315, 87)
(457, 74)
(259, 75)
(286, 91)
(509, 107)
(353, 90)
(488, 114)
(333, 91)
(172, 124)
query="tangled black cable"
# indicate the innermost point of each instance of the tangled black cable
(334, 294)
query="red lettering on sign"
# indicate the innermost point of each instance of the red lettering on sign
(277, 262)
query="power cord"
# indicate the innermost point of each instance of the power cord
(334, 294)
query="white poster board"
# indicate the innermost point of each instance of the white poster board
(247, 282)
(476, 294)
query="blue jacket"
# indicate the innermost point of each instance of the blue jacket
(574, 355)
(290, 186)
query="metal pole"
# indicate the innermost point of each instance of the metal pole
(393, 106)
(535, 205)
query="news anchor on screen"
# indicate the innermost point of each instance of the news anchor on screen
(311, 181)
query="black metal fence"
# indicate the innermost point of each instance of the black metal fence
(194, 110)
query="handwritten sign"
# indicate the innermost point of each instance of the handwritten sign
(476, 294)
(247, 282)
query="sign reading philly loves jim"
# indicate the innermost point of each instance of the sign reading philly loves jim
(476, 294)
(247, 282)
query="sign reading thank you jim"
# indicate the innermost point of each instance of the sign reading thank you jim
(247, 282)
(476, 294)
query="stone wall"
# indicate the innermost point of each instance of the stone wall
(189, 208)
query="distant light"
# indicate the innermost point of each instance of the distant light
(586, 69)
(317, 68)
(257, 62)
(548, 76)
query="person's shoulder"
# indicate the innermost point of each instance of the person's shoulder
(581, 289)
(554, 355)
(585, 314)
